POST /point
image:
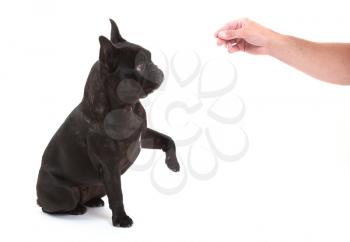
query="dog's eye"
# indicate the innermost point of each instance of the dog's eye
(141, 67)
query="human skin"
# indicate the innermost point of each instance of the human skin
(328, 62)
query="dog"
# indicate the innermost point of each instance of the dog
(103, 135)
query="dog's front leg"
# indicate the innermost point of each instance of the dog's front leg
(152, 139)
(105, 156)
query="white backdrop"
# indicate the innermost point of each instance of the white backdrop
(293, 182)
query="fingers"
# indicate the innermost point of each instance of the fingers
(231, 34)
(232, 46)
(236, 24)
(243, 35)
(225, 27)
(220, 42)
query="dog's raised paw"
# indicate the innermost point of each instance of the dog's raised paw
(122, 220)
(95, 202)
(172, 163)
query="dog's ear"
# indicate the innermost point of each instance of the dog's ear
(108, 54)
(115, 35)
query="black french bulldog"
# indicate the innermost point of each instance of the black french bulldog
(103, 135)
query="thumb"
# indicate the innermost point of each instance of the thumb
(231, 34)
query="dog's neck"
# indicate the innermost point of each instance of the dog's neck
(124, 106)
(128, 107)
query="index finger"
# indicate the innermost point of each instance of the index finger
(230, 25)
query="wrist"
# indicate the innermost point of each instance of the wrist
(275, 42)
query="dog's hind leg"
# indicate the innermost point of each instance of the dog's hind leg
(91, 195)
(57, 197)
(95, 202)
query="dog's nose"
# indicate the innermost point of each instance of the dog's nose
(157, 75)
(161, 76)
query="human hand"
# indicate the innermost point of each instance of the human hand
(246, 35)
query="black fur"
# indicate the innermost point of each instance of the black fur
(103, 135)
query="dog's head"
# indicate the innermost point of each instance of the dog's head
(128, 68)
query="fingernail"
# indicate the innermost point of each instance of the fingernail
(222, 34)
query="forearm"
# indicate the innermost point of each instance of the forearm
(328, 62)
(152, 139)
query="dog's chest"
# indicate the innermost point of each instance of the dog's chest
(125, 127)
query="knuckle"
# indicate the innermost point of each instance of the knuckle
(230, 34)
(245, 20)
(243, 32)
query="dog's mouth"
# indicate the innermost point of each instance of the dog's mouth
(146, 91)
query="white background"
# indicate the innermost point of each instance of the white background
(292, 185)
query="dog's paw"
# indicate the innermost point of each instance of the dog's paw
(95, 202)
(79, 210)
(122, 220)
(171, 162)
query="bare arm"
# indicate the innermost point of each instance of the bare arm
(328, 62)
